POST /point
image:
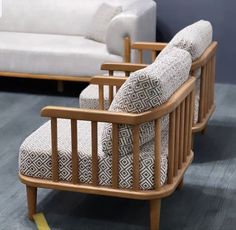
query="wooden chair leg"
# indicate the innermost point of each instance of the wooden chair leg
(155, 209)
(204, 130)
(181, 184)
(31, 199)
(60, 86)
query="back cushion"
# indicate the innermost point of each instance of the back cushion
(70, 17)
(194, 39)
(144, 90)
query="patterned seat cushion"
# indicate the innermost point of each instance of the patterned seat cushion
(194, 38)
(35, 157)
(146, 89)
(88, 98)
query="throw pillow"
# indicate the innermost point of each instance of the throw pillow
(146, 89)
(98, 27)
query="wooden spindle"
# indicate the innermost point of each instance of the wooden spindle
(171, 148)
(111, 72)
(186, 128)
(74, 148)
(127, 49)
(177, 140)
(101, 97)
(182, 123)
(202, 95)
(191, 120)
(115, 156)
(55, 158)
(157, 162)
(127, 73)
(94, 154)
(140, 56)
(154, 55)
(135, 132)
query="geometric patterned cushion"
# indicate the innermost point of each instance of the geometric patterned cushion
(194, 38)
(88, 98)
(146, 89)
(35, 157)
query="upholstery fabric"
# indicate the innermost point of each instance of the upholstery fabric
(194, 38)
(89, 97)
(35, 157)
(100, 22)
(52, 54)
(132, 22)
(52, 16)
(146, 89)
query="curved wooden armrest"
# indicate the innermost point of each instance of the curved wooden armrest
(130, 67)
(158, 46)
(121, 117)
(88, 115)
(209, 52)
(108, 80)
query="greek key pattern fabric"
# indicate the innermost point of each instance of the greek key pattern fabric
(35, 157)
(146, 89)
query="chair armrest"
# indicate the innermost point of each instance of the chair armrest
(132, 23)
(130, 67)
(108, 80)
(89, 115)
(157, 46)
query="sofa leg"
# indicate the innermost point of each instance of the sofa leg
(204, 130)
(181, 184)
(155, 209)
(31, 200)
(60, 86)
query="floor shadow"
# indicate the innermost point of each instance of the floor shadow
(44, 87)
(218, 143)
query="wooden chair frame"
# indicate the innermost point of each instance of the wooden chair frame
(206, 63)
(180, 110)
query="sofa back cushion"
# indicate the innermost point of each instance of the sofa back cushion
(146, 89)
(70, 17)
(194, 38)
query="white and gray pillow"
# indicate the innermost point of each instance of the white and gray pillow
(146, 89)
(194, 38)
(100, 22)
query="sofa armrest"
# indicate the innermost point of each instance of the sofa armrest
(133, 23)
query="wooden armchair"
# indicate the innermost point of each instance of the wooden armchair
(180, 110)
(203, 68)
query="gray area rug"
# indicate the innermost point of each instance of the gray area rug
(207, 201)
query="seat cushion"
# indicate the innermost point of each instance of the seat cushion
(194, 38)
(146, 89)
(52, 54)
(35, 157)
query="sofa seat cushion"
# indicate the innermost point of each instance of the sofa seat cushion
(35, 157)
(52, 54)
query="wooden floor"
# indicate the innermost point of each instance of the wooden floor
(207, 201)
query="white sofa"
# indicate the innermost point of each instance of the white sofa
(46, 38)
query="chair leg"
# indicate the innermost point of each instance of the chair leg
(204, 130)
(181, 184)
(155, 209)
(60, 86)
(31, 199)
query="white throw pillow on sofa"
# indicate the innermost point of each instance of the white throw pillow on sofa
(103, 16)
(146, 89)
